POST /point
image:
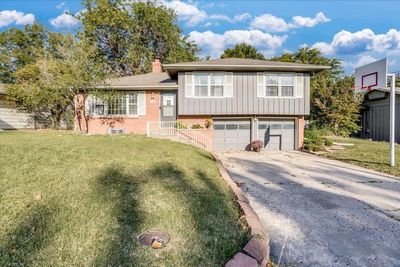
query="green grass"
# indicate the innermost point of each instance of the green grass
(98, 193)
(369, 154)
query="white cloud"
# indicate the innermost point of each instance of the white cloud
(241, 17)
(362, 60)
(192, 15)
(61, 5)
(237, 18)
(299, 21)
(271, 23)
(323, 47)
(8, 17)
(213, 44)
(187, 12)
(64, 20)
(352, 43)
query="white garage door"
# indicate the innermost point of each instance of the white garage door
(231, 134)
(277, 134)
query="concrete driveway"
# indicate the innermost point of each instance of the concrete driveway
(321, 212)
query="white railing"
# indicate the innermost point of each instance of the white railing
(179, 130)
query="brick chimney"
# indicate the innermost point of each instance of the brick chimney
(156, 65)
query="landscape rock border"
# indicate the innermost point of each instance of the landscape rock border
(256, 252)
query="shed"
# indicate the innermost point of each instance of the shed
(375, 115)
(10, 117)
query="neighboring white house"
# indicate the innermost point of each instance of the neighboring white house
(10, 117)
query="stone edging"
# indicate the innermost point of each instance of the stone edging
(256, 251)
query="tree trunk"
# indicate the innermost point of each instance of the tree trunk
(80, 114)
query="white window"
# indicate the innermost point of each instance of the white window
(123, 105)
(216, 84)
(272, 85)
(133, 104)
(278, 85)
(287, 84)
(201, 84)
(208, 84)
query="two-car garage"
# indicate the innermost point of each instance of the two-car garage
(236, 134)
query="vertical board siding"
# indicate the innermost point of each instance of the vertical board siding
(377, 120)
(244, 100)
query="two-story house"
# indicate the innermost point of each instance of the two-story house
(239, 100)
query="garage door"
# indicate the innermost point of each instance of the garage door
(231, 134)
(276, 134)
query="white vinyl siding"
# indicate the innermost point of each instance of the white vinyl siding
(285, 85)
(129, 104)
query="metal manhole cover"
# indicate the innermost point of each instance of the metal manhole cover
(155, 239)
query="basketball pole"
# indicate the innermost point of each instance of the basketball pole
(392, 119)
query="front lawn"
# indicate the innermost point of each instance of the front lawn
(75, 200)
(365, 153)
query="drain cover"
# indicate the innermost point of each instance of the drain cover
(155, 239)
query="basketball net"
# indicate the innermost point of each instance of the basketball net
(362, 90)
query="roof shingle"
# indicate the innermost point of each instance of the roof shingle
(241, 64)
(143, 81)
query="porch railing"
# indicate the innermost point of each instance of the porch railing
(179, 130)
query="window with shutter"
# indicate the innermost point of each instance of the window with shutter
(280, 85)
(129, 104)
(209, 84)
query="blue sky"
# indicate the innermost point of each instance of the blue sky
(357, 32)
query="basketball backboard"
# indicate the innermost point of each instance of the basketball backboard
(371, 76)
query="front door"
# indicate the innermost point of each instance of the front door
(168, 106)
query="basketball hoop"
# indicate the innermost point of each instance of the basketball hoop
(371, 76)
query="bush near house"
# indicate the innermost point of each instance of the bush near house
(80, 200)
(314, 140)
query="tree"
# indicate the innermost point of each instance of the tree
(51, 83)
(242, 50)
(129, 34)
(19, 47)
(334, 105)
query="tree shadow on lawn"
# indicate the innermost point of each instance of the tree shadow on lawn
(31, 235)
(216, 227)
(220, 234)
(122, 190)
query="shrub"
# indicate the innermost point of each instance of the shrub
(313, 140)
(181, 125)
(208, 123)
(328, 142)
(197, 126)
(256, 145)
